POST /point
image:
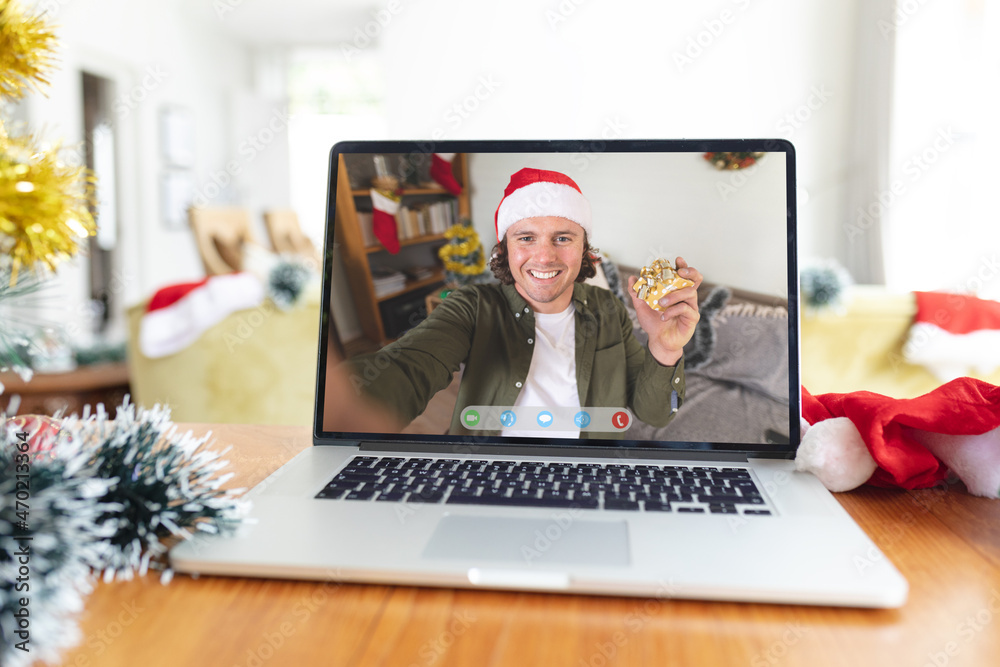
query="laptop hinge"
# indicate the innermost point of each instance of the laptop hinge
(617, 453)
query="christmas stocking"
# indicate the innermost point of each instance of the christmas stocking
(442, 173)
(384, 220)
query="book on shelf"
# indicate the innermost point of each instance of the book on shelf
(419, 272)
(426, 219)
(386, 281)
(367, 228)
(414, 221)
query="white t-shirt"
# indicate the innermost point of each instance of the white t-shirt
(551, 377)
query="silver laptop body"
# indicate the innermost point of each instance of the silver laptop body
(776, 535)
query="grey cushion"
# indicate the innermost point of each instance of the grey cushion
(751, 351)
(740, 393)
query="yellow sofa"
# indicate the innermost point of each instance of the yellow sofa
(861, 347)
(257, 366)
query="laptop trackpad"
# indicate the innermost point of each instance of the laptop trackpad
(562, 539)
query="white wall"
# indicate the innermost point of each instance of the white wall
(157, 55)
(524, 69)
(652, 205)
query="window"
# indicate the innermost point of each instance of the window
(944, 225)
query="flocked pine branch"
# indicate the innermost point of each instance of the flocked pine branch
(61, 512)
(168, 485)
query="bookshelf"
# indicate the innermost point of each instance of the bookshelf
(362, 255)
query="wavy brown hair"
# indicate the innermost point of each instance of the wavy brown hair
(500, 265)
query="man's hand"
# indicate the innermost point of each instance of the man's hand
(670, 330)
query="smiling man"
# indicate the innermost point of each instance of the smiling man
(542, 338)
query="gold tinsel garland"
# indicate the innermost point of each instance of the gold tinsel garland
(463, 249)
(45, 204)
(27, 43)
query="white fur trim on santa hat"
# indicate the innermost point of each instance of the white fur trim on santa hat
(835, 452)
(541, 199)
(951, 355)
(172, 328)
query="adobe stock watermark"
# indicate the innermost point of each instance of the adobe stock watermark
(247, 324)
(606, 653)
(584, 155)
(772, 489)
(913, 168)
(561, 13)
(362, 36)
(125, 103)
(101, 640)
(923, 500)
(50, 8)
(274, 640)
(776, 652)
(712, 29)
(802, 114)
(248, 150)
(902, 12)
(967, 630)
(586, 152)
(464, 108)
(432, 650)
(561, 523)
(786, 127)
(223, 7)
(740, 177)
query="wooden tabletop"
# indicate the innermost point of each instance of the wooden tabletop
(944, 541)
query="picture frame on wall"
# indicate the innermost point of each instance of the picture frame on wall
(177, 141)
(176, 196)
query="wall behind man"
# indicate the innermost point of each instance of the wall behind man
(650, 205)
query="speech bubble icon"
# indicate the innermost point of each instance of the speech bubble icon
(544, 419)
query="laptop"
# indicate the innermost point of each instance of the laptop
(670, 478)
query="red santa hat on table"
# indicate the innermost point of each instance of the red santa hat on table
(178, 314)
(953, 333)
(534, 193)
(910, 443)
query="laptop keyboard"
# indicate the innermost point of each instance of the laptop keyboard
(650, 488)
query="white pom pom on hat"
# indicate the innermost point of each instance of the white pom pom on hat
(534, 193)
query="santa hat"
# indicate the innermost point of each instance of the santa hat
(534, 193)
(178, 314)
(953, 333)
(911, 443)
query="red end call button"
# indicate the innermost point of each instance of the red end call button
(621, 420)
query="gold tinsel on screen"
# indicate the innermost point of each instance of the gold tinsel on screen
(27, 43)
(45, 204)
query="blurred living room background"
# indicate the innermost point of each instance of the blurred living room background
(233, 105)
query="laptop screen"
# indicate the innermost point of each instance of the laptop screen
(615, 294)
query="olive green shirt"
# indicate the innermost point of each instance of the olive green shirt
(491, 329)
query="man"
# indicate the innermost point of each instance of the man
(541, 337)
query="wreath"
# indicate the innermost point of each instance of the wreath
(723, 161)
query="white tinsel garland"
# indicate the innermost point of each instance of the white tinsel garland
(105, 494)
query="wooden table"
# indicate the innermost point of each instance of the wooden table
(944, 541)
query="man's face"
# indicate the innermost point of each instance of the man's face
(545, 255)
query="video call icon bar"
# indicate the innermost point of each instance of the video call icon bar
(535, 418)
